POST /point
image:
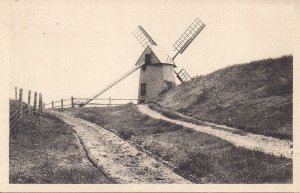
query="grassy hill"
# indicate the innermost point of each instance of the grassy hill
(256, 97)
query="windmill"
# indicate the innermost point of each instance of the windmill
(156, 66)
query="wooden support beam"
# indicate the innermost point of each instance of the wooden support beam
(113, 83)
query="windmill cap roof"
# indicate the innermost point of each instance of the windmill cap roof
(160, 54)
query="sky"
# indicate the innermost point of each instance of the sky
(75, 48)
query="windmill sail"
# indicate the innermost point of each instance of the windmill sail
(143, 37)
(188, 36)
(183, 42)
(182, 75)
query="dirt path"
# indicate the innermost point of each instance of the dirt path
(117, 158)
(268, 145)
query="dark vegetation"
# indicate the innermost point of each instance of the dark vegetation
(198, 157)
(256, 97)
(43, 149)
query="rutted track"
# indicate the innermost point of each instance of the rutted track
(118, 159)
(268, 145)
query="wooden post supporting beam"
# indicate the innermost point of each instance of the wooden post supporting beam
(62, 103)
(52, 105)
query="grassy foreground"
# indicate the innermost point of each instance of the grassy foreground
(196, 156)
(44, 150)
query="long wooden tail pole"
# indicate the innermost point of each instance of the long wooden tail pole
(113, 83)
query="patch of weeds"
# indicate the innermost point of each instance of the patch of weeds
(126, 134)
(201, 98)
(196, 164)
(166, 128)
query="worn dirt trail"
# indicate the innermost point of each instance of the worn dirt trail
(117, 158)
(268, 145)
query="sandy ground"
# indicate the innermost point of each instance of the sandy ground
(117, 158)
(268, 145)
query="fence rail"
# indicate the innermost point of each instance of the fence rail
(77, 101)
(19, 108)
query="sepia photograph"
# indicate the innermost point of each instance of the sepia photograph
(162, 92)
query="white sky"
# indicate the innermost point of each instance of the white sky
(75, 48)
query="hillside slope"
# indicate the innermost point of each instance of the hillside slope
(43, 149)
(257, 97)
(196, 156)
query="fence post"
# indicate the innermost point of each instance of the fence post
(52, 105)
(109, 100)
(62, 103)
(28, 105)
(40, 101)
(20, 101)
(34, 101)
(41, 98)
(16, 93)
(72, 102)
(44, 106)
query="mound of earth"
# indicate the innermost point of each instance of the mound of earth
(256, 97)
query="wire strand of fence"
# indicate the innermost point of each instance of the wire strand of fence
(17, 115)
(13, 124)
(18, 108)
(14, 108)
(14, 119)
(17, 118)
(14, 113)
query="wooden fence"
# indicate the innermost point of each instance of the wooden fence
(19, 108)
(76, 102)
